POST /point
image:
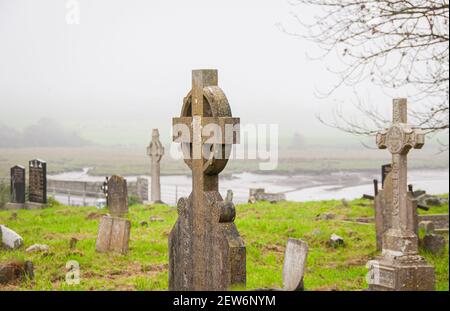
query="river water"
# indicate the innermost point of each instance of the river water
(298, 187)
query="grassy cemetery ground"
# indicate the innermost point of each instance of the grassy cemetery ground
(265, 228)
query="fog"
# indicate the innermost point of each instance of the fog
(126, 66)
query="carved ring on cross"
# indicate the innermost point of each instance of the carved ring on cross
(215, 155)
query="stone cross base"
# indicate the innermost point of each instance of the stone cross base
(33, 205)
(13, 206)
(405, 273)
(210, 257)
(113, 235)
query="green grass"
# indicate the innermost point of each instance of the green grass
(264, 227)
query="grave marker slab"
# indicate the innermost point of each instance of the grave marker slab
(117, 196)
(113, 235)
(37, 188)
(205, 249)
(17, 175)
(294, 264)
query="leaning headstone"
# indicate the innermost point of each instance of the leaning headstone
(294, 264)
(17, 175)
(400, 267)
(37, 184)
(155, 151)
(114, 230)
(206, 251)
(9, 238)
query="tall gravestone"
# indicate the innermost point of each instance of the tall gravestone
(400, 266)
(17, 185)
(114, 230)
(206, 251)
(155, 151)
(37, 184)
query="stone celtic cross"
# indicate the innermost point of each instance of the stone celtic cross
(399, 139)
(155, 151)
(400, 267)
(205, 249)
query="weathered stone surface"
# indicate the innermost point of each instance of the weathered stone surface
(17, 175)
(400, 267)
(259, 194)
(336, 241)
(10, 239)
(16, 271)
(142, 189)
(205, 249)
(113, 235)
(36, 248)
(434, 243)
(440, 221)
(156, 151)
(117, 196)
(37, 188)
(294, 264)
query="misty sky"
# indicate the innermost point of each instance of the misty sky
(126, 67)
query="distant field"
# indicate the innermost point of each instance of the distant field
(134, 161)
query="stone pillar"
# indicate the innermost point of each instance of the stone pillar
(156, 151)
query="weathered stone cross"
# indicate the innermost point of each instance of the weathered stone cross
(156, 151)
(400, 267)
(399, 139)
(205, 249)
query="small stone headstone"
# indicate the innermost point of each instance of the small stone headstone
(142, 189)
(295, 257)
(113, 235)
(10, 239)
(17, 175)
(434, 243)
(117, 196)
(37, 188)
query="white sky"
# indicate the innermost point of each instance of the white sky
(126, 67)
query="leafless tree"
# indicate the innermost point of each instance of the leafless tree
(393, 43)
